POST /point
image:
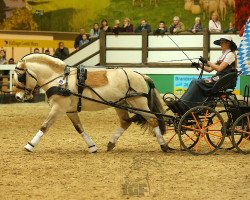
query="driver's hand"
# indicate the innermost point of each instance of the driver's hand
(203, 60)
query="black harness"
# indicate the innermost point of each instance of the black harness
(64, 91)
(81, 77)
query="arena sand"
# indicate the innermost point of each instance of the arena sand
(61, 167)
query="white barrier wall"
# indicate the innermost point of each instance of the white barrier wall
(84, 53)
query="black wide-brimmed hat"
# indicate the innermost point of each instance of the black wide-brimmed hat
(228, 38)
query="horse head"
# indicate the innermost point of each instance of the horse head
(26, 81)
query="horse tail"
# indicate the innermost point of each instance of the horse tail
(155, 103)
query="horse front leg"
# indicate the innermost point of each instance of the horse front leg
(74, 117)
(53, 115)
(124, 124)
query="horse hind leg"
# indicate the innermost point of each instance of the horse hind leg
(124, 124)
(152, 121)
(74, 117)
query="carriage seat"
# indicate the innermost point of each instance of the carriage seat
(225, 83)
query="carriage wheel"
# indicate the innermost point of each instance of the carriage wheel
(227, 144)
(241, 133)
(196, 126)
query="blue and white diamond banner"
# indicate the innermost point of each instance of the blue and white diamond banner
(244, 52)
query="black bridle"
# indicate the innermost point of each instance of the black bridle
(21, 77)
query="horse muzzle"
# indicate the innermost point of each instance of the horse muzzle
(21, 96)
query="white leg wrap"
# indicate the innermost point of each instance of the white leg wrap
(119, 131)
(91, 145)
(30, 146)
(159, 136)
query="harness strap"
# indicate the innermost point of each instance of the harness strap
(81, 77)
(58, 90)
(129, 86)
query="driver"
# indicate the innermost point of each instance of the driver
(197, 90)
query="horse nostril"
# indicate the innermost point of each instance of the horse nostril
(18, 98)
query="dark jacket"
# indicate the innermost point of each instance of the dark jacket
(117, 30)
(128, 28)
(140, 28)
(77, 40)
(61, 53)
(160, 31)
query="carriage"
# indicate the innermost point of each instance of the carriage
(201, 130)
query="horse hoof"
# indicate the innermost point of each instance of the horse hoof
(110, 146)
(29, 147)
(164, 148)
(92, 149)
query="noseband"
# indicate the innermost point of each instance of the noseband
(21, 77)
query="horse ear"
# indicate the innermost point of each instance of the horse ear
(21, 64)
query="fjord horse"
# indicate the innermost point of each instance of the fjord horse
(36, 71)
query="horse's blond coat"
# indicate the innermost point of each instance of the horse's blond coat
(113, 86)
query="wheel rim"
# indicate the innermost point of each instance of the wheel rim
(227, 144)
(194, 129)
(241, 133)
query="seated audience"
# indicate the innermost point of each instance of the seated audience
(78, 38)
(61, 52)
(11, 61)
(36, 50)
(230, 29)
(3, 59)
(84, 40)
(104, 26)
(214, 25)
(197, 27)
(161, 30)
(127, 26)
(117, 28)
(176, 26)
(47, 52)
(94, 32)
(143, 26)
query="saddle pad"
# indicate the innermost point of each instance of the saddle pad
(96, 79)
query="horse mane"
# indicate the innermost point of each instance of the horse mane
(43, 58)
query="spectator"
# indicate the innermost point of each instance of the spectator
(230, 29)
(47, 52)
(143, 26)
(11, 61)
(161, 30)
(117, 28)
(61, 52)
(36, 50)
(177, 26)
(84, 40)
(214, 24)
(94, 32)
(127, 26)
(197, 27)
(3, 59)
(78, 38)
(104, 26)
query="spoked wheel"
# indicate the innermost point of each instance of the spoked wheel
(241, 133)
(196, 126)
(227, 144)
(171, 138)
